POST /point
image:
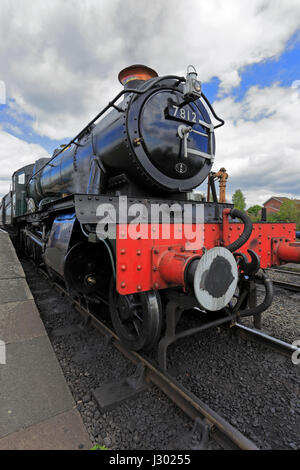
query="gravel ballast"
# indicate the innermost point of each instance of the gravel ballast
(251, 386)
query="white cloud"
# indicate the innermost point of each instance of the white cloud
(259, 145)
(229, 80)
(12, 128)
(60, 59)
(15, 153)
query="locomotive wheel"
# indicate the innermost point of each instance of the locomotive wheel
(137, 318)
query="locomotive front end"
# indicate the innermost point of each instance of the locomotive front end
(169, 136)
(158, 140)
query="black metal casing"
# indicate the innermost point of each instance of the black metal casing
(139, 139)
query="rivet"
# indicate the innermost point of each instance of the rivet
(155, 268)
(156, 251)
(139, 252)
(139, 287)
(123, 251)
(139, 267)
(123, 284)
(156, 285)
(123, 267)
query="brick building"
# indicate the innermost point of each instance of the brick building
(274, 203)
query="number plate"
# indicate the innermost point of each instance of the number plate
(182, 114)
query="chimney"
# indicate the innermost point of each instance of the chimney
(135, 72)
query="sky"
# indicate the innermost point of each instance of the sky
(59, 62)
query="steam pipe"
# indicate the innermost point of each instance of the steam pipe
(269, 294)
(248, 226)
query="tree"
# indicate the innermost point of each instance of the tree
(239, 200)
(255, 212)
(288, 212)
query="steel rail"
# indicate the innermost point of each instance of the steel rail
(287, 285)
(283, 284)
(263, 338)
(283, 271)
(221, 431)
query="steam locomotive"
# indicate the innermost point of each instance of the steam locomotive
(114, 215)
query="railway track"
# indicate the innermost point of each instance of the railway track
(211, 423)
(284, 284)
(287, 286)
(259, 336)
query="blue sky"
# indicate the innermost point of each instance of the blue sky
(59, 75)
(283, 70)
(20, 125)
